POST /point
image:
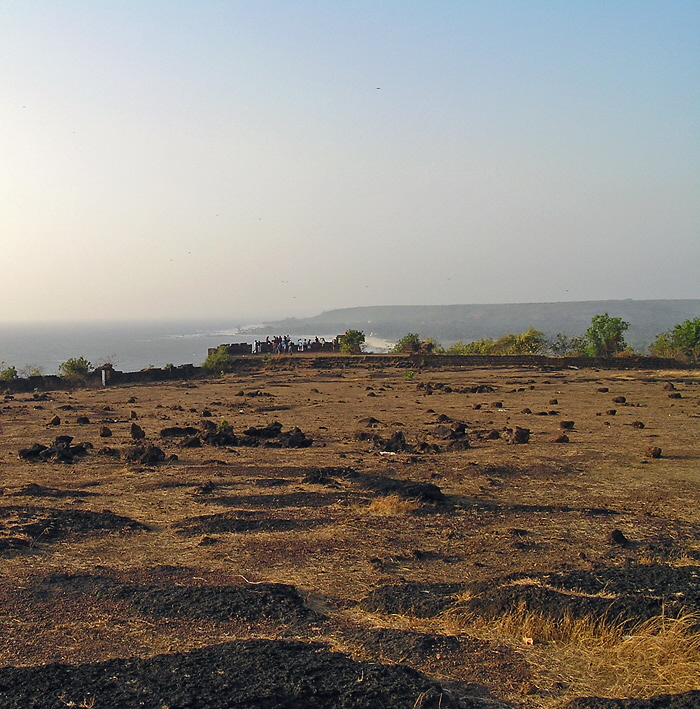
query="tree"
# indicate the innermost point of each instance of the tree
(564, 346)
(606, 336)
(75, 368)
(682, 341)
(408, 343)
(351, 342)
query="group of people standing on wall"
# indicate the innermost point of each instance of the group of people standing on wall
(285, 345)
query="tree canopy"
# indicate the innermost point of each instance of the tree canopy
(606, 336)
(351, 342)
(682, 341)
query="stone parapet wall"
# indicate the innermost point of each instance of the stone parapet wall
(184, 372)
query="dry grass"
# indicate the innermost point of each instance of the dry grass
(590, 657)
(391, 506)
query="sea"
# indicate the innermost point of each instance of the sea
(131, 346)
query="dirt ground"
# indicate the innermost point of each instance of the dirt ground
(340, 537)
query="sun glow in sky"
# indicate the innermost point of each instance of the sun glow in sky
(259, 158)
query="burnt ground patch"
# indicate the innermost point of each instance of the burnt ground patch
(659, 579)
(686, 700)
(475, 661)
(423, 600)
(241, 521)
(292, 499)
(250, 674)
(34, 490)
(280, 603)
(381, 484)
(482, 505)
(25, 526)
(629, 594)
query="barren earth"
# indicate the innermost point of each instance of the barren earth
(367, 536)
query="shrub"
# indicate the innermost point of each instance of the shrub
(514, 343)
(683, 341)
(7, 373)
(478, 347)
(408, 343)
(31, 370)
(564, 346)
(351, 342)
(75, 368)
(217, 360)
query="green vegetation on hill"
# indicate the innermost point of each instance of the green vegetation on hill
(450, 323)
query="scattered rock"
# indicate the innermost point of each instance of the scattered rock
(137, 433)
(105, 432)
(61, 451)
(369, 422)
(517, 435)
(619, 400)
(272, 430)
(566, 424)
(617, 537)
(55, 421)
(561, 438)
(178, 431)
(147, 455)
(652, 452)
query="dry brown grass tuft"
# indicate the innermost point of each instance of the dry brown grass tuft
(593, 657)
(391, 506)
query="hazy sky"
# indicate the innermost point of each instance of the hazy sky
(214, 159)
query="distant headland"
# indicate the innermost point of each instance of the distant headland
(449, 323)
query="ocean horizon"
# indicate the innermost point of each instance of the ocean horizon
(130, 346)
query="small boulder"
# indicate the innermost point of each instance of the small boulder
(137, 433)
(617, 537)
(653, 452)
(517, 435)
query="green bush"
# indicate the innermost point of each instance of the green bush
(522, 343)
(75, 368)
(408, 343)
(351, 342)
(218, 360)
(7, 373)
(682, 342)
